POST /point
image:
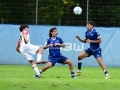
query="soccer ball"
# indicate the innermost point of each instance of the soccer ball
(77, 10)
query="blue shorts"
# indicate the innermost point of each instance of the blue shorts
(95, 53)
(58, 59)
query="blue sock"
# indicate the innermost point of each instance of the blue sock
(79, 66)
(72, 72)
(41, 71)
(106, 73)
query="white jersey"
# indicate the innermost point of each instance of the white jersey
(21, 38)
(27, 49)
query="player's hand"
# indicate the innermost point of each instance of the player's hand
(56, 44)
(78, 37)
(50, 45)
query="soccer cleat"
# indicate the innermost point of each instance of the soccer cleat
(41, 62)
(78, 74)
(37, 76)
(107, 77)
(73, 76)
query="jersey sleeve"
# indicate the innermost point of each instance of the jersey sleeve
(61, 41)
(86, 35)
(97, 35)
(47, 42)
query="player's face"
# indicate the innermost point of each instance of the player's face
(26, 29)
(89, 27)
(54, 33)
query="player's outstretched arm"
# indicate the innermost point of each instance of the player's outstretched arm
(45, 47)
(62, 45)
(84, 41)
(18, 46)
(25, 38)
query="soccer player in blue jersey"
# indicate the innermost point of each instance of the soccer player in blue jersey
(54, 43)
(93, 37)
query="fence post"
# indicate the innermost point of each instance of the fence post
(87, 10)
(36, 11)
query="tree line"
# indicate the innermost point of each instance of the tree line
(60, 12)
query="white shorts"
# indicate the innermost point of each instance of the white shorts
(28, 50)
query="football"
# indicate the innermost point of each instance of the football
(77, 10)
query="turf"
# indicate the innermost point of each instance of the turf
(20, 77)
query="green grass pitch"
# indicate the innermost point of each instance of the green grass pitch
(20, 77)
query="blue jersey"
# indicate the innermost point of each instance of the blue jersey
(93, 35)
(54, 50)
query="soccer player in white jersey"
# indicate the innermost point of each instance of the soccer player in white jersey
(93, 37)
(26, 49)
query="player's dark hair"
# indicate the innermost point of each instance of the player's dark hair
(51, 30)
(23, 26)
(91, 23)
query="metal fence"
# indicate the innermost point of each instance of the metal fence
(60, 12)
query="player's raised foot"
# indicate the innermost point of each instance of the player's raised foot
(78, 74)
(37, 76)
(73, 76)
(41, 62)
(107, 77)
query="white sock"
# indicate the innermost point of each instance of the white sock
(79, 71)
(36, 69)
(39, 57)
(107, 75)
(79, 61)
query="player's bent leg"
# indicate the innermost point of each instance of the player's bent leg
(39, 51)
(83, 55)
(41, 62)
(47, 66)
(80, 57)
(99, 60)
(79, 73)
(39, 55)
(38, 75)
(69, 62)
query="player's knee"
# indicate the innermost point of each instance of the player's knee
(69, 62)
(80, 57)
(40, 51)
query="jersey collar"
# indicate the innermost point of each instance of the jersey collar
(90, 31)
(53, 39)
